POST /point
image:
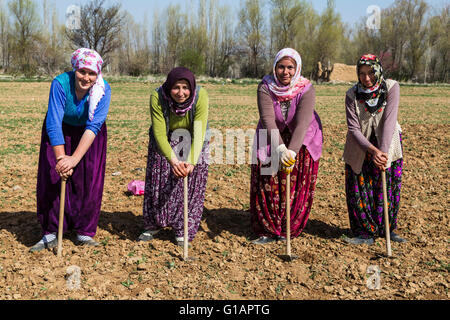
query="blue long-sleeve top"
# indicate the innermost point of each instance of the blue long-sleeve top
(63, 106)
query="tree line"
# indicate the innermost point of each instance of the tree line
(412, 38)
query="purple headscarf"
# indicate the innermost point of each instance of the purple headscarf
(177, 74)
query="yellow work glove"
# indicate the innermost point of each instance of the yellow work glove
(287, 170)
(287, 158)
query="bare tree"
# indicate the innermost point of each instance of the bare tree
(134, 51)
(99, 28)
(402, 40)
(175, 31)
(438, 57)
(157, 46)
(251, 26)
(193, 45)
(295, 24)
(330, 34)
(414, 11)
(226, 42)
(25, 34)
(5, 37)
(52, 43)
(284, 24)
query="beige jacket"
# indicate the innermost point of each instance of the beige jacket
(354, 154)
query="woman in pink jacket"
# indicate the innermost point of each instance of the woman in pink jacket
(286, 106)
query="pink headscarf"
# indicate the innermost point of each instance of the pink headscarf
(90, 59)
(298, 82)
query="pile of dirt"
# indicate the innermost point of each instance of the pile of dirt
(343, 72)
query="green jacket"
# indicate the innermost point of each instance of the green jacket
(176, 122)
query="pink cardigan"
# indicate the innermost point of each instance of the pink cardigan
(302, 121)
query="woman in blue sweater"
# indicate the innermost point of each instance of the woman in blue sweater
(73, 148)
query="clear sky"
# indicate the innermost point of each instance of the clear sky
(350, 10)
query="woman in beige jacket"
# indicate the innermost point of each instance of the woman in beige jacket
(373, 145)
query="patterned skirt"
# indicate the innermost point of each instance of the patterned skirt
(164, 192)
(268, 197)
(364, 193)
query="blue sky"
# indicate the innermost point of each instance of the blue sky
(350, 10)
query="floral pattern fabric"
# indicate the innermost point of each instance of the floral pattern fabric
(298, 83)
(375, 96)
(364, 193)
(164, 192)
(268, 197)
(90, 59)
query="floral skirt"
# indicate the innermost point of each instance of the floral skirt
(164, 192)
(364, 193)
(268, 197)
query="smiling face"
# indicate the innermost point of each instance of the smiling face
(181, 91)
(84, 80)
(367, 76)
(285, 70)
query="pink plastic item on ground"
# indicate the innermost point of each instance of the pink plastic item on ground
(136, 187)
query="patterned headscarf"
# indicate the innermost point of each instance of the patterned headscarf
(90, 59)
(298, 82)
(374, 96)
(177, 74)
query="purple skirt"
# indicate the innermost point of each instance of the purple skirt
(164, 192)
(84, 189)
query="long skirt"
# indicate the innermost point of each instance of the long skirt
(268, 197)
(164, 192)
(364, 193)
(84, 189)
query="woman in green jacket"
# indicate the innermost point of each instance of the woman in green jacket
(177, 148)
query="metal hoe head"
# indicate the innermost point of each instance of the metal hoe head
(287, 257)
(188, 259)
(383, 256)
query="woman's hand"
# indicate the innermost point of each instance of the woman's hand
(287, 170)
(189, 168)
(65, 164)
(181, 169)
(63, 174)
(286, 156)
(380, 159)
(178, 168)
(66, 176)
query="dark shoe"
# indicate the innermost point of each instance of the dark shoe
(145, 236)
(89, 242)
(281, 238)
(263, 240)
(359, 240)
(397, 238)
(41, 245)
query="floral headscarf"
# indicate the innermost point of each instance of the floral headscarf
(90, 59)
(374, 96)
(298, 82)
